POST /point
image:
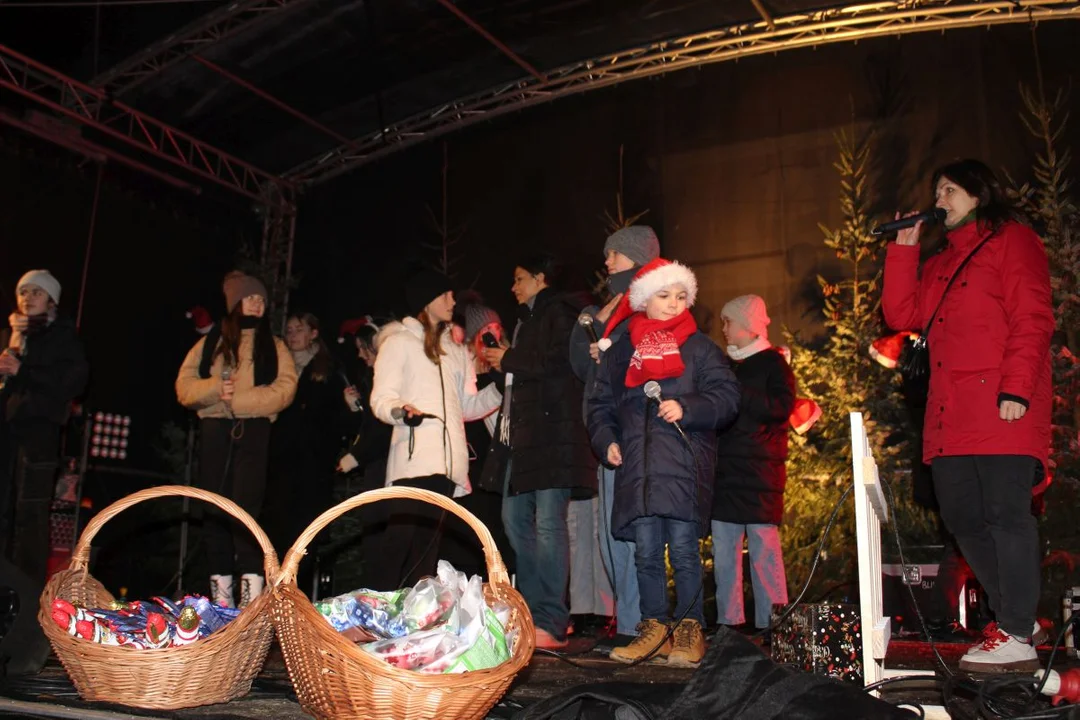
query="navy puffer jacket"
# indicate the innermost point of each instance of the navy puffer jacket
(659, 475)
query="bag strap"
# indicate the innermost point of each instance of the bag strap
(955, 275)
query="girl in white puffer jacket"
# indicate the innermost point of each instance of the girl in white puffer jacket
(425, 386)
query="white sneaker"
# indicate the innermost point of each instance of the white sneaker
(221, 588)
(251, 587)
(1000, 652)
(1039, 634)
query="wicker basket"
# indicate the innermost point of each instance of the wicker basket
(335, 679)
(213, 670)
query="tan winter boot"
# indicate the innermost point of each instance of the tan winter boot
(651, 633)
(689, 645)
(251, 587)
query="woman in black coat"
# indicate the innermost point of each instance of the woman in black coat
(750, 471)
(305, 441)
(549, 458)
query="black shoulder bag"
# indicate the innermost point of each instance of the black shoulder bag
(915, 365)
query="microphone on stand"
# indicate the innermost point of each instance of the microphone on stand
(934, 215)
(652, 391)
(585, 320)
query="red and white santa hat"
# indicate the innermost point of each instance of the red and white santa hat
(202, 319)
(887, 350)
(350, 327)
(803, 416)
(649, 280)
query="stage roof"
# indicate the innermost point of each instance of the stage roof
(360, 66)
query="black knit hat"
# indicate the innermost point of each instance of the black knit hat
(423, 287)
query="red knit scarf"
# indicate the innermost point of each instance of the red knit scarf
(656, 347)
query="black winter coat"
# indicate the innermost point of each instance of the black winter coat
(549, 445)
(52, 373)
(370, 443)
(659, 476)
(750, 472)
(309, 431)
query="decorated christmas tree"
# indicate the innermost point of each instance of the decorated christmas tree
(837, 372)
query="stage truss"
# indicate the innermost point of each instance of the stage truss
(85, 107)
(769, 35)
(214, 27)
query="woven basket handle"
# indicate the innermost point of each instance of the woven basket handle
(80, 557)
(497, 573)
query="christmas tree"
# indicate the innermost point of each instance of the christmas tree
(838, 373)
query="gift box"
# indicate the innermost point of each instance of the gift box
(821, 639)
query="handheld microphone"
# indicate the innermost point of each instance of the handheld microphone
(934, 215)
(652, 391)
(226, 373)
(413, 420)
(586, 321)
(489, 340)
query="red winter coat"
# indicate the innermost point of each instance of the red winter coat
(990, 340)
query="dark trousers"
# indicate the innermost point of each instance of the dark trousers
(985, 502)
(413, 532)
(28, 461)
(232, 462)
(299, 488)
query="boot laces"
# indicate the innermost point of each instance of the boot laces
(650, 632)
(684, 634)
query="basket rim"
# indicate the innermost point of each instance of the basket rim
(80, 555)
(290, 564)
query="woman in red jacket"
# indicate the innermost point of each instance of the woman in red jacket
(987, 432)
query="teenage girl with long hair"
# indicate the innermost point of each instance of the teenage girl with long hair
(237, 378)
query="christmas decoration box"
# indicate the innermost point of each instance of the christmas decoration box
(821, 639)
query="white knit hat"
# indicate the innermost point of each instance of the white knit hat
(749, 311)
(44, 280)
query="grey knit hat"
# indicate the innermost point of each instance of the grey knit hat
(637, 242)
(478, 317)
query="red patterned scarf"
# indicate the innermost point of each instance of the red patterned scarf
(656, 347)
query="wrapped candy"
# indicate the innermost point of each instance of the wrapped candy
(429, 603)
(158, 631)
(377, 613)
(187, 627)
(161, 623)
(442, 625)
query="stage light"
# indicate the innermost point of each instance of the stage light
(109, 436)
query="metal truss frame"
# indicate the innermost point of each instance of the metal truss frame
(92, 108)
(823, 27)
(214, 27)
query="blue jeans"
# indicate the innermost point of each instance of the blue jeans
(682, 539)
(536, 527)
(766, 571)
(618, 557)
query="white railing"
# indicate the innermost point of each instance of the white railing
(871, 512)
